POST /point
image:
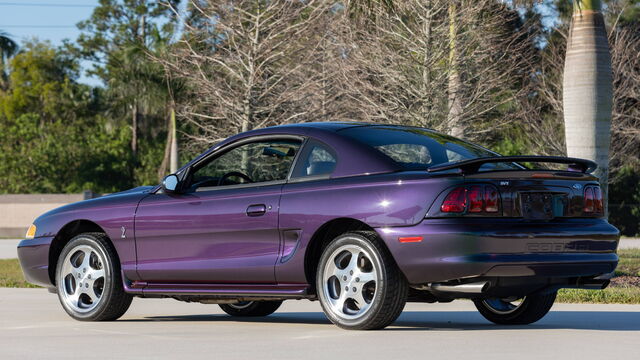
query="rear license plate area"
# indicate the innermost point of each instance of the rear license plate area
(537, 205)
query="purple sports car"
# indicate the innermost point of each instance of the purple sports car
(361, 217)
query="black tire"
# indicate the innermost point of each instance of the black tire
(533, 308)
(251, 308)
(112, 302)
(386, 300)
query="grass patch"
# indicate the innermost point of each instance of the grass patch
(610, 295)
(11, 274)
(629, 264)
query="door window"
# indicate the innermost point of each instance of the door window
(256, 162)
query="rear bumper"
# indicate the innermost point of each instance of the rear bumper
(34, 260)
(463, 248)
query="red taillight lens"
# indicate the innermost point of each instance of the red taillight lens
(475, 199)
(597, 200)
(456, 201)
(593, 201)
(588, 199)
(481, 198)
(491, 199)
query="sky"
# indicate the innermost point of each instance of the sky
(53, 20)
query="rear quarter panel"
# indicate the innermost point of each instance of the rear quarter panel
(397, 199)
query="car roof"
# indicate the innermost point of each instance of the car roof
(341, 125)
(330, 125)
(354, 158)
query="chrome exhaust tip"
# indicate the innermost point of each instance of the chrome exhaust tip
(470, 288)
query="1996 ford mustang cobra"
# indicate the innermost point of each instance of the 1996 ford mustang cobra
(361, 217)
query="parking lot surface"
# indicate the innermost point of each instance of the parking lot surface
(33, 325)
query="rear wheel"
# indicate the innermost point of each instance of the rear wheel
(358, 283)
(251, 308)
(516, 311)
(88, 279)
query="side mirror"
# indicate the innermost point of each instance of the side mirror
(170, 183)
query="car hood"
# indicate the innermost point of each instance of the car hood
(126, 197)
(136, 190)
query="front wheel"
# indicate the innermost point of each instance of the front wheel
(359, 285)
(512, 311)
(88, 279)
(251, 308)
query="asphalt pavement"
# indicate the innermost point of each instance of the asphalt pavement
(33, 325)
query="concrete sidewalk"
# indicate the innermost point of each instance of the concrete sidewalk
(8, 248)
(629, 243)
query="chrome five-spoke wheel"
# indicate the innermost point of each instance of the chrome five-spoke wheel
(88, 279)
(83, 278)
(350, 279)
(358, 283)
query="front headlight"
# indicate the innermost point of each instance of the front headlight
(31, 233)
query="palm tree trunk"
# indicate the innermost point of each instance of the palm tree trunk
(173, 155)
(454, 116)
(588, 88)
(134, 128)
(170, 158)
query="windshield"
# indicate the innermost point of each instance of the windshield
(415, 148)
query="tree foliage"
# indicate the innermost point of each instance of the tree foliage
(52, 135)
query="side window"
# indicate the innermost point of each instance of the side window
(410, 154)
(249, 163)
(315, 160)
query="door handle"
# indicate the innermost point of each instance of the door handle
(256, 210)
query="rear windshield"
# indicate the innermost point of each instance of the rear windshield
(415, 148)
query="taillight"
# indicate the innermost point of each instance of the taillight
(588, 199)
(474, 199)
(456, 201)
(491, 199)
(598, 201)
(593, 202)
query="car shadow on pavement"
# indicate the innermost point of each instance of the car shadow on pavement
(444, 320)
(471, 320)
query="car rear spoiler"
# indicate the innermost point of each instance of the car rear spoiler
(473, 165)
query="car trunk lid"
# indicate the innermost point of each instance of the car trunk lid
(537, 194)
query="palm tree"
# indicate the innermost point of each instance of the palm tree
(587, 88)
(8, 48)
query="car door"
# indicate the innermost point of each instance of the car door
(223, 226)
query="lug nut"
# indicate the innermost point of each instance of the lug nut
(357, 279)
(351, 272)
(344, 278)
(89, 277)
(354, 289)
